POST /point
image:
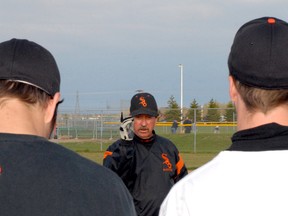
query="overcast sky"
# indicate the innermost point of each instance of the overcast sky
(108, 49)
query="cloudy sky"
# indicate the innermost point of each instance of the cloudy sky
(108, 49)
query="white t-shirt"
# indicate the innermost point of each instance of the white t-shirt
(233, 183)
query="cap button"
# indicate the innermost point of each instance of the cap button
(271, 20)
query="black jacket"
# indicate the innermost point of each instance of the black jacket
(38, 177)
(149, 168)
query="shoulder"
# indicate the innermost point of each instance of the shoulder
(189, 189)
(166, 145)
(166, 141)
(61, 171)
(205, 177)
(116, 143)
(95, 177)
(119, 143)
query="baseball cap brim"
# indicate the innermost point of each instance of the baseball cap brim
(144, 112)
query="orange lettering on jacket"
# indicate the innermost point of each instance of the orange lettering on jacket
(167, 163)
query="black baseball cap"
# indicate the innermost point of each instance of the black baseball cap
(259, 54)
(28, 62)
(143, 103)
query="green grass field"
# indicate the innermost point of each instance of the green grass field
(194, 152)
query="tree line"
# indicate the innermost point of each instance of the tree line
(211, 112)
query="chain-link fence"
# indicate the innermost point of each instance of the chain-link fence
(104, 124)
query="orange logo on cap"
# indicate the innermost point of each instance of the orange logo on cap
(143, 102)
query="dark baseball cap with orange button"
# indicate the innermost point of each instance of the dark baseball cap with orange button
(259, 54)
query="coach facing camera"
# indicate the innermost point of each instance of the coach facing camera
(38, 177)
(249, 178)
(148, 164)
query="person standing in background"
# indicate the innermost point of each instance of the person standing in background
(187, 125)
(174, 127)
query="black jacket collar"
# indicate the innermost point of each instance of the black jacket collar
(263, 138)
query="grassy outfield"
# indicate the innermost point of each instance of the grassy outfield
(195, 152)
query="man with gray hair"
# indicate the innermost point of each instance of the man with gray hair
(148, 164)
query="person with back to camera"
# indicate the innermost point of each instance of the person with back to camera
(187, 125)
(174, 126)
(250, 177)
(148, 164)
(38, 177)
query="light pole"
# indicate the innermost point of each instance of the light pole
(181, 94)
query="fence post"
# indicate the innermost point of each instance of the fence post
(194, 129)
(101, 132)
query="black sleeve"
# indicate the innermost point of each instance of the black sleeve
(119, 158)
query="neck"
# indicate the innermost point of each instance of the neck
(20, 118)
(249, 120)
(149, 140)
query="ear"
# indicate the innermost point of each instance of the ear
(49, 113)
(232, 90)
